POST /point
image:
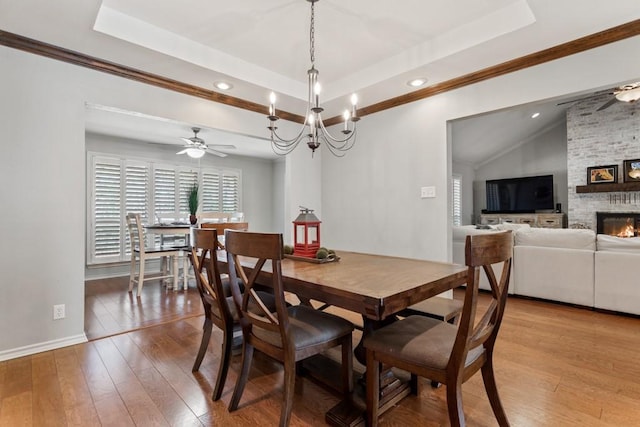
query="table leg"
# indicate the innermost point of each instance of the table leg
(350, 411)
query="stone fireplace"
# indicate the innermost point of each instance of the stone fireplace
(620, 224)
(601, 137)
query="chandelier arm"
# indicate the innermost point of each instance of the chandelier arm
(279, 150)
(346, 146)
(332, 138)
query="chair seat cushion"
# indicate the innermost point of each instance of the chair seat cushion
(419, 340)
(308, 327)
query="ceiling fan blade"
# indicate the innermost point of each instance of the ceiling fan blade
(182, 152)
(608, 104)
(187, 140)
(216, 153)
(223, 146)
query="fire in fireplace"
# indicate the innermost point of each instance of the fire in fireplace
(620, 224)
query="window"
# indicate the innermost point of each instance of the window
(118, 186)
(456, 197)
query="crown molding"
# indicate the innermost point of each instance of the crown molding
(611, 35)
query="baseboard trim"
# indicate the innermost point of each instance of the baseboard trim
(28, 350)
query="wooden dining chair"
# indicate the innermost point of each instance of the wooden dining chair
(291, 333)
(222, 226)
(141, 252)
(217, 301)
(441, 351)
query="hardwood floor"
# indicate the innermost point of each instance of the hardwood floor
(555, 366)
(109, 309)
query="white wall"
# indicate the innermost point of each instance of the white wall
(370, 198)
(544, 155)
(42, 167)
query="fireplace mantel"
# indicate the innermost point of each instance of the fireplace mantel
(608, 188)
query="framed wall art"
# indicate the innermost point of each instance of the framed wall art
(602, 174)
(631, 170)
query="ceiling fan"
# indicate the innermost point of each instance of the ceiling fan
(625, 93)
(196, 147)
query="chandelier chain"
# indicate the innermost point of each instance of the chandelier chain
(312, 38)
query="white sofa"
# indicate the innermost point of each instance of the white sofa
(459, 235)
(617, 282)
(555, 264)
(569, 265)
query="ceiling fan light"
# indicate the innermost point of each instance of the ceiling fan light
(195, 153)
(630, 95)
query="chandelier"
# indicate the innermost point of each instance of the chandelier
(313, 128)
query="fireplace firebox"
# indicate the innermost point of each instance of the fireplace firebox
(620, 224)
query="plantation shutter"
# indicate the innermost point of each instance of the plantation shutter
(157, 192)
(211, 191)
(164, 192)
(230, 192)
(136, 195)
(456, 181)
(106, 204)
(186, 181)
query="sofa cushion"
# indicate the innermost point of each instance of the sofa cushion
(618, 244)
(556, 238)
(509, 226)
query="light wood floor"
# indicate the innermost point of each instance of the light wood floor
(556, 366)
(109, 309)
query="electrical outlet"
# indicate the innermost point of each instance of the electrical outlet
(58, 312)
(427, 192)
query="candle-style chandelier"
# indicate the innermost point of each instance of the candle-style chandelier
(313, 128)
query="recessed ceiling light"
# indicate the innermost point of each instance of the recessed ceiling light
(534, 115)
(223, 85)
(417, 82)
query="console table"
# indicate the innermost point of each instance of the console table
(540, 220)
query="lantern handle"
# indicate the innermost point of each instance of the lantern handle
(305, 210)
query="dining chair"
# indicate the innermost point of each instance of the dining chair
(443, 352)
(141, 252)
(291, 333)
(217, 301)
(222, 226)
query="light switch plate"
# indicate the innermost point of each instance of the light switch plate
(427, 192)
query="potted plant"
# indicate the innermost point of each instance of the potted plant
(193, 203)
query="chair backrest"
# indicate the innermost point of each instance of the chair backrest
(222, 226)
(203, 257)
(256, 249)
(136, 234)
(481, 252)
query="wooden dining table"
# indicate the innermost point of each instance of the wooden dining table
(375, 286)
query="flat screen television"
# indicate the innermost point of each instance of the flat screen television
(520, 195)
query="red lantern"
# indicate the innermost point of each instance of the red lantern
(306, 234)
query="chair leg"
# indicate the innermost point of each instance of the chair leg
(185, 271)
(247, 355)
(140, 277)
(454, 404)
(492, 392)
(373, 389)
(289, 388)
(206, 336)
(225, 359)
(132, 274)
(176, 272)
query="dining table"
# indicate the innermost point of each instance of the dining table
(375, 286)
(180, 229)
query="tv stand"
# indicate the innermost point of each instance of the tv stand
(540, 220)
